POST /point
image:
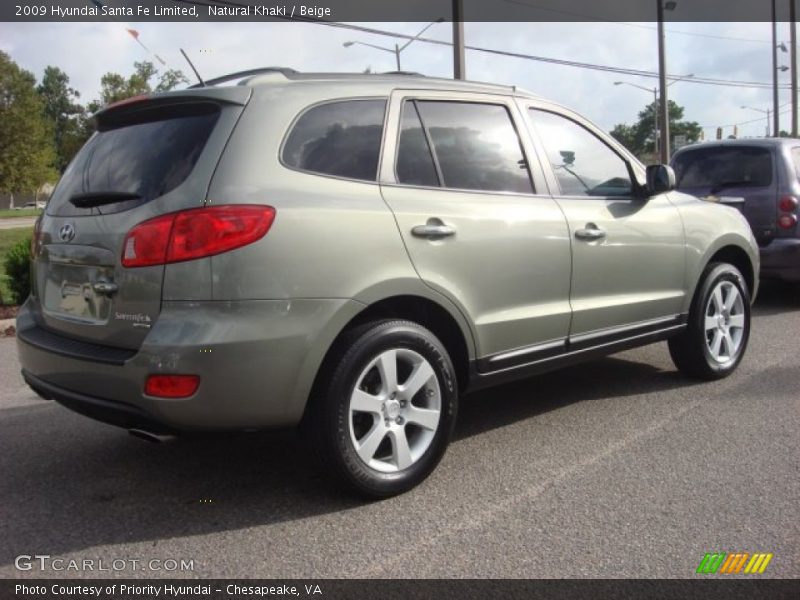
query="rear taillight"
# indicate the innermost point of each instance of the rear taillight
(195, 233)
(36, 238)
(787, 221)
(787, 204)
(171, 386)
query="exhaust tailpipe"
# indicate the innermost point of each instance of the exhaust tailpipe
(149, 436)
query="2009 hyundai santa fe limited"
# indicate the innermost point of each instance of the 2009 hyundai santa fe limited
(350, 253)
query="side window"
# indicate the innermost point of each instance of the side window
(583, 164)
(338, 138)
(414, 159)
(475, 146)
(796, 160)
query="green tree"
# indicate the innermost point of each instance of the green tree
(65, 114)
(26, 139)
(114, 87)
(145, 79)
(639, 138)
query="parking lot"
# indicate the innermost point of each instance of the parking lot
(616, 468)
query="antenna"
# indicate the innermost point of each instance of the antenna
(200, 79)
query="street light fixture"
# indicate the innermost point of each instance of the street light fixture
(655, 103)
(397, 48)
(767, 112)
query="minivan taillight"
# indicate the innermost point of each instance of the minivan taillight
(787, 203)
(195, 233)
(36, 238)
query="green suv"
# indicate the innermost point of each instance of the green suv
(351, 253)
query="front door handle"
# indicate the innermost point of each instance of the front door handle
(590, 232)
(434, 229)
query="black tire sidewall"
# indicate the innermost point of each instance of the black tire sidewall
(375, 340)
(716, 274)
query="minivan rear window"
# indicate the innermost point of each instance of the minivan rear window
(733, 166)
(138, 159)
(340, 138)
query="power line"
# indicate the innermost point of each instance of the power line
(638, 25)
(507, 53)
(563, 62)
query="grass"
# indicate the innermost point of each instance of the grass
(9, 237)
(27, 212)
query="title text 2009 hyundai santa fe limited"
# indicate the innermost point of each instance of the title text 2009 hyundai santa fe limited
(350, 253)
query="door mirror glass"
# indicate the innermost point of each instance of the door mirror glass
(660, 178)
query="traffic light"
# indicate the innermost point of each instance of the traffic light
(719, 133)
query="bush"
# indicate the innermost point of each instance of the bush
(18, 270)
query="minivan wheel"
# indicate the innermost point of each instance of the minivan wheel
(385, 410)
(718, 330)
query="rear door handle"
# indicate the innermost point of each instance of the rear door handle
(590, 232)
(433, 229)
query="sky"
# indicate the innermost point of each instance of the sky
(85, 51)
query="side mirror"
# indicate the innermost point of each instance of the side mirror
(660, 178)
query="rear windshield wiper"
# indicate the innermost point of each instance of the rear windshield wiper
(91, 199)
(726, 184)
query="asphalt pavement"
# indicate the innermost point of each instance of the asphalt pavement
(616, 468)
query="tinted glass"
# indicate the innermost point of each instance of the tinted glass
(476, 146)
(414, 159)
(796, 161)
(338, 138)
(715, 167)
(148, 159)
(583, 164)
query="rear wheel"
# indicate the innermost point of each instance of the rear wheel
(385, 410)
(719, 326)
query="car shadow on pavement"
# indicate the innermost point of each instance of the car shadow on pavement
(70, 484)
(776, 297)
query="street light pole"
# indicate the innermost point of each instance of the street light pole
(662, 83)
(761, 110)
(397, 48)
(655, 104)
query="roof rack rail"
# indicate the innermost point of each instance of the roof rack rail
(287, 72)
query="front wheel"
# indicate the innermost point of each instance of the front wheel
(719, 326)
(385, 409)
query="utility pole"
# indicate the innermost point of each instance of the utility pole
(793, 42)
(459, 66)
(662, 85)
(775, 116)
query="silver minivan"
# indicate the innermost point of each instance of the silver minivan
(351, 253)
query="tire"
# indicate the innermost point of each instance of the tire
(716, 337)
(372, 434)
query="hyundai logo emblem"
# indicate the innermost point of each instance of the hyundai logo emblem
(67, 232)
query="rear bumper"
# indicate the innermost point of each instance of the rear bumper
(781, 260)
(256, 361)
(100, 409)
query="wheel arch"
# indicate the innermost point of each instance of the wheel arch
(420, 309)
(729, 251)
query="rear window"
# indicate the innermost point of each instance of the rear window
(144, 157)
(338, 138)
(733, 166)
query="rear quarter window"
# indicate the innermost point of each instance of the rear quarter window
(341, 138)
